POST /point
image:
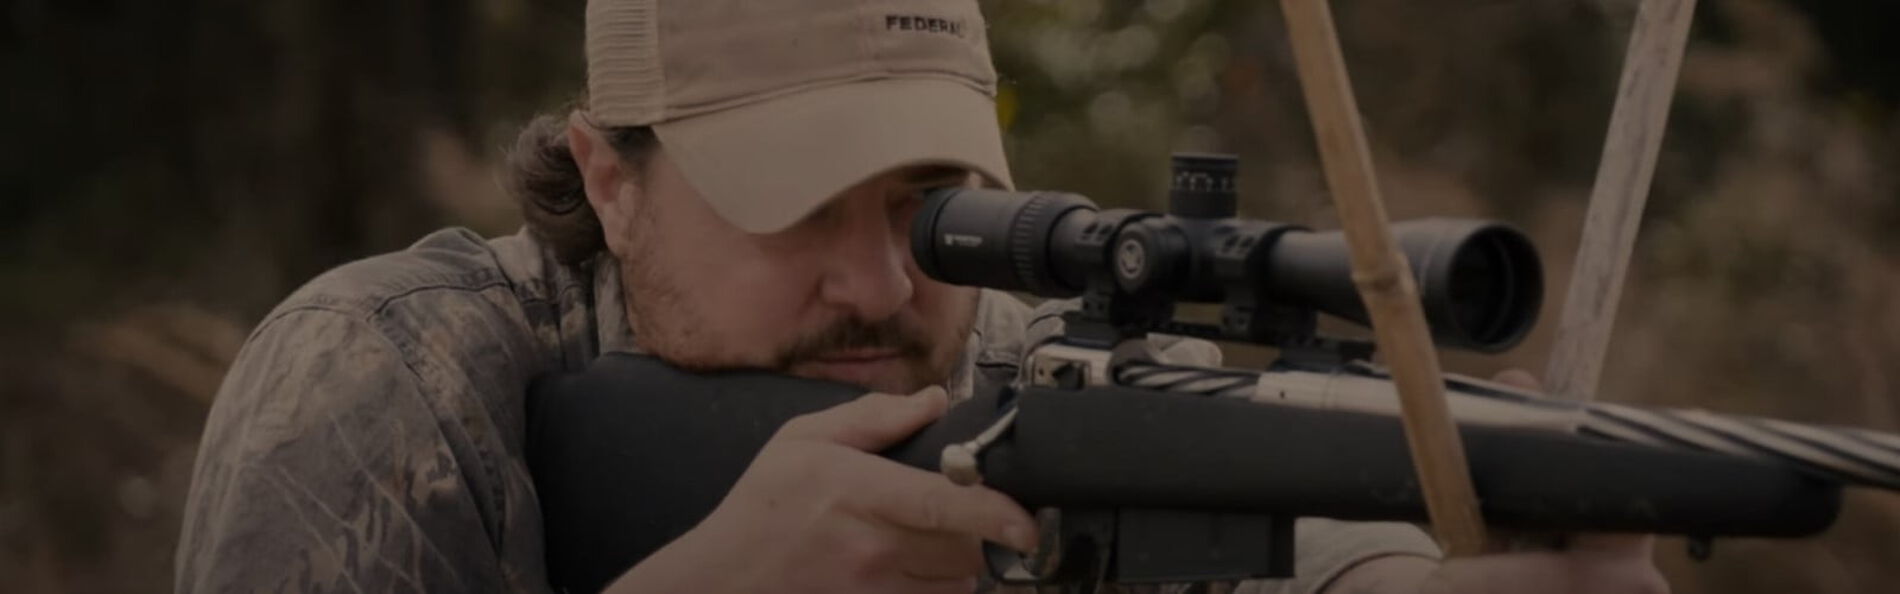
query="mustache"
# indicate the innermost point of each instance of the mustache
(851, 334)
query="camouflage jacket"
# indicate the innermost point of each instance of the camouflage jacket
(369, 436)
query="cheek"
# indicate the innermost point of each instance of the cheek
(942, 308)
(751, 294)
(714, 295)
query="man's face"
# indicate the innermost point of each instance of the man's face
(836, 296)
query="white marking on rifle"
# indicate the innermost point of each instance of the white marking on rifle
(959, 459)
(960, 240)
(1131, 259)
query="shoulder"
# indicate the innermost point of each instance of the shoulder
(420, 319)
(443, 265)
(459, 322)
(450, 295)
(387, 392)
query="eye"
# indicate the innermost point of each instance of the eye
(906, 206)
(911, 193)
(924, 192)
(924, 188)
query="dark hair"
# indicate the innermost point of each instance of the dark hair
(546, 183)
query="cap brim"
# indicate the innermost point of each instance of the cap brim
(766, 165)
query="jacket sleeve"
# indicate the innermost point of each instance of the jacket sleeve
(324, 468)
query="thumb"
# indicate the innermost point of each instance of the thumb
(873, 421)
(1518, 378)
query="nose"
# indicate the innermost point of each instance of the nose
(867, 276)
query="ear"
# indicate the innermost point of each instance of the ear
(603, 176)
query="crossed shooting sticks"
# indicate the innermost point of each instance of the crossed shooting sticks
(1385, 280)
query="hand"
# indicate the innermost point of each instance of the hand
(816, 512)
(1590, 563)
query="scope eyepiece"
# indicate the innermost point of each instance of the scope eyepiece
(996, 239)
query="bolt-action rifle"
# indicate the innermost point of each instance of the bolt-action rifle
(1140, 471)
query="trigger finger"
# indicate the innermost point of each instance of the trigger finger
(929, 502)
(872, 422)
(940, 556)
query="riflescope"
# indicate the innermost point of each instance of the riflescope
(1480, 281)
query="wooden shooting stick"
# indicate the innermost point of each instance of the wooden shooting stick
(1384, 279)
(1657, 42)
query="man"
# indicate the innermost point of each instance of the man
(736, 192)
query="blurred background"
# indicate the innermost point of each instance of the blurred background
(170, 170)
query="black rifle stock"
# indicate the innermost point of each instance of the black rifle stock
(1155, 486)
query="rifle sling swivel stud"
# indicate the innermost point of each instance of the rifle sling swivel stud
(959, 460)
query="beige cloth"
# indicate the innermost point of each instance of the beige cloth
(770, 108)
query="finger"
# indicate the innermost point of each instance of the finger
(939, 556)
(1518, 378)
(925, 501)
(909, 560)
(909, 585)
(872, 422)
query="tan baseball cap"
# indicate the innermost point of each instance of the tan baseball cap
(771, 107)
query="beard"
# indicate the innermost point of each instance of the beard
(673, 333)
(668, 323)
(921, 363)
